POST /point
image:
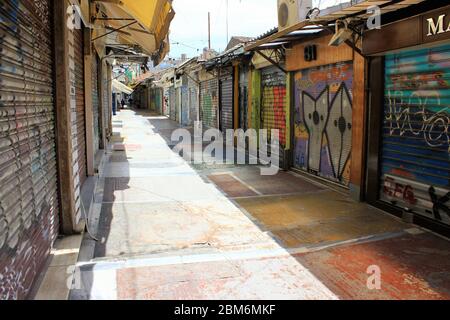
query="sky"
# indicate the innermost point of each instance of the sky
(249, 18)
(190, 25)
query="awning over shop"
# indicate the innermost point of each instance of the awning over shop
(356, 9)
(141, 23)
(119, 87)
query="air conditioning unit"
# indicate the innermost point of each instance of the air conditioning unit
(291, 12)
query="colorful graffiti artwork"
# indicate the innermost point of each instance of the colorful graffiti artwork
(323, 121)
(209, 103)
(416, 140)
(273, 104)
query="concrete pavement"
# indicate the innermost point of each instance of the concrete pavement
(169, 230)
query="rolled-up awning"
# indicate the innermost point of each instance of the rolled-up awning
(119, 87)
(142, 23)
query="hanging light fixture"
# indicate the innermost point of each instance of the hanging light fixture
(342, 34)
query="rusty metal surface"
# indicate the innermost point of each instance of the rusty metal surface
(279, 184)
(232, 187)
(308, 219)
(412, 267)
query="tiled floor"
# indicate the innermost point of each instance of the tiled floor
(171, 230)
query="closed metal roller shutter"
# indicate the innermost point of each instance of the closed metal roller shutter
(226, 103)
(28, 170)
(172, 104)
(96, 103)
(273, 105)
(107, 95)
(178, 105)
(184, 105)
(159, 100)
(78, 113)
(323, 121)
(415, 161)
(209, 102)
(193, 101)
(243, 99)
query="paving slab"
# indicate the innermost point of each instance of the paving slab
(169, 229)
(317, 217)
(137, 228)
(412, 267)
(231, 186)
(251, 279)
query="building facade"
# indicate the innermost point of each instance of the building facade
(55, 122)
(328, 112)
(408, 148)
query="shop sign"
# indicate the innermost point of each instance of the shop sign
(438, 25)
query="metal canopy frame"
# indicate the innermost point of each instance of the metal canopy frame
(326, 21)
(114, 30)
(274, 56)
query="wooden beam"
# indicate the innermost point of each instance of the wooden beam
(64, 146)
(89, 112)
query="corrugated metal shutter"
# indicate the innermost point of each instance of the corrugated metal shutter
(96, 103)
(159, 100)
(166, 102)
(184, 106)
(177, 104)
(226, 103)
(273, 105)
(416, 143)
(78, 110)
(193, 101)
(172, 104)
(209, 102)
(152, 99)
(28, 169)
(107, 95)
(243, 98)
(323, 121)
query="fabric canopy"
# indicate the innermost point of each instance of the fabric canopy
(119, 87)
(142, 23)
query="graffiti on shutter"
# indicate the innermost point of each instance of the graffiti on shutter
(209, 103)
(323, 121)
(416, 142)
(28, 171)
(273, 105)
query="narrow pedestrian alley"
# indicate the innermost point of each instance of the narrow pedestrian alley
(224, 150)
(171, 230)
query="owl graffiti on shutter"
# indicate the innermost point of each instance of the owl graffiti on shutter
(323, 121)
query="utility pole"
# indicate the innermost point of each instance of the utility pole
(227, 23)
(209, 30)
